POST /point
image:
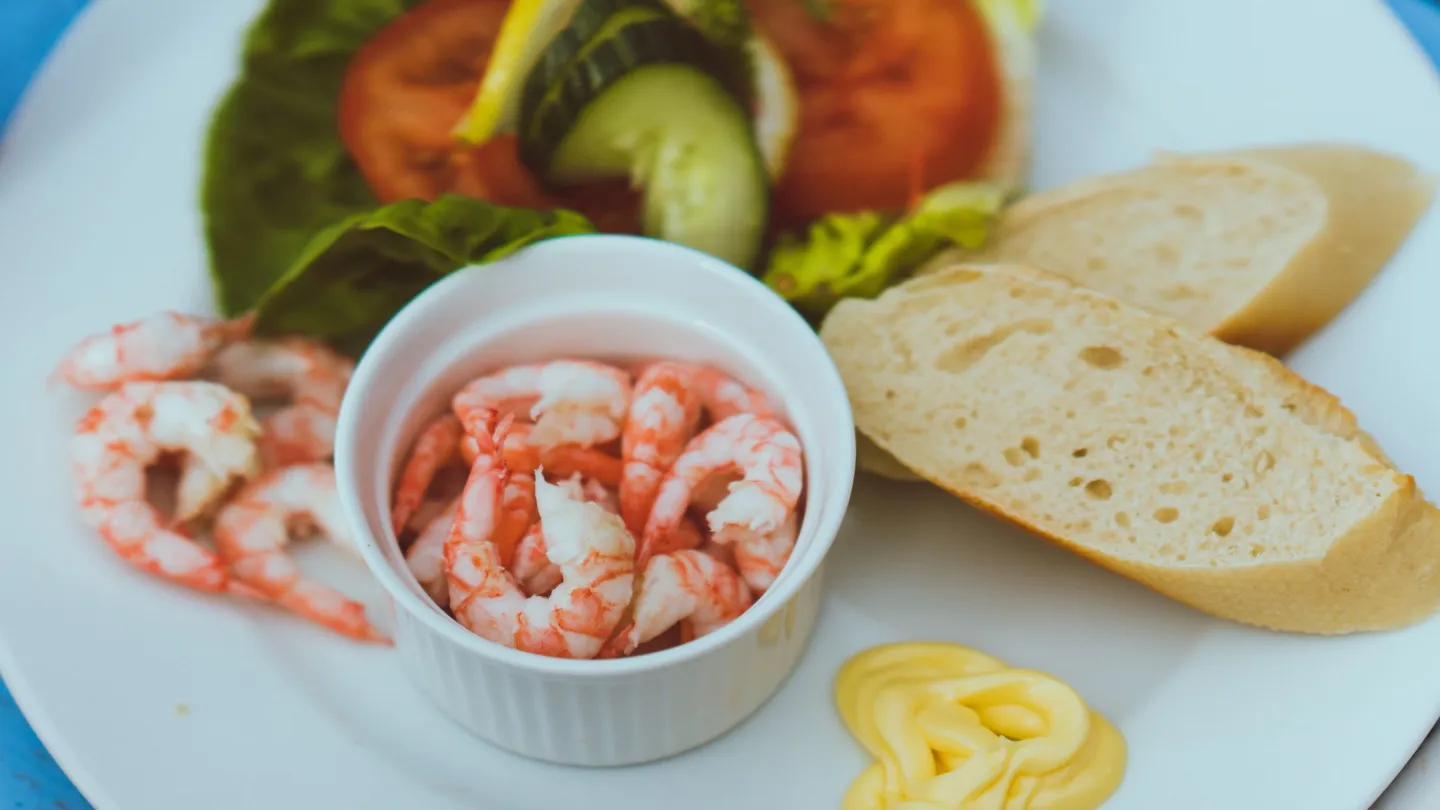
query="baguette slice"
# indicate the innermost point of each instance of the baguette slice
(1208, 472)
(1259, 247)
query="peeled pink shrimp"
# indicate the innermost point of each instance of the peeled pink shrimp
(314, 378)
(443, 442)
(426, 556)
(572, 401)
(724, 396)
(518, 512)
(524, 454)
(759, 558)
(679, 586)
(128, 431)
(251, 533)
(437, 446)
(164, 346)
(532, 566)
(725, 554)
(591, 547)
(763, 451)
(713, 490)
(664, 415)
(537, 575)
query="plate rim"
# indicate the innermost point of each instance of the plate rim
(43, 724)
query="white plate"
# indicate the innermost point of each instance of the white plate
(154, 699)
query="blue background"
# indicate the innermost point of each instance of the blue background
(29, 778)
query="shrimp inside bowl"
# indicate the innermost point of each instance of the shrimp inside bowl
(726, 381)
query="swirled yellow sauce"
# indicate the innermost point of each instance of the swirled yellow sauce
(955, 729)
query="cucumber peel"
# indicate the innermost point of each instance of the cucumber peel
(724, 22)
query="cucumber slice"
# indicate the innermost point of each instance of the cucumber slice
(591, 19)
(633, 37)
(570, 77)
(681, 136)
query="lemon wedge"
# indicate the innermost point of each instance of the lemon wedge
(528, 27)
(777, 104)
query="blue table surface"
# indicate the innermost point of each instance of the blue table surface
(29, 778)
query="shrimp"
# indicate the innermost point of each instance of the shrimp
(437, 447)
(440, 444)
(710, 492)
(572, 401)
(724, 396)
(759, 558)
(767, 455)
(591, 547)
(312, 375)
(532, 567)
(565, 460)
(128, 431)
(165, 346)
(664, 415)
(685, 585)
(518, 512)
(251, 533)
(426, 556)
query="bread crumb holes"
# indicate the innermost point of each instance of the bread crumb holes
(1102, 357)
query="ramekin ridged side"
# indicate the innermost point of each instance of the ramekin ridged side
(639, 718)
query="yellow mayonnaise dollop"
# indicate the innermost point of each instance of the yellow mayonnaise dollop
(954, 729)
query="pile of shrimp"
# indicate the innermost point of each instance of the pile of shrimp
(177, 389)
(569, 508)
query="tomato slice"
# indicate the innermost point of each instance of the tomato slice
(888, 89)
(403, 93)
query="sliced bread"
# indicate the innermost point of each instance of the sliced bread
(1209, 472)
(1259, 247)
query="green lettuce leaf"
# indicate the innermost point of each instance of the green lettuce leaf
(353, 276)
(276, 171)
(859, 255)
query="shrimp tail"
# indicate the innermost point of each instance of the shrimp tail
(328, 608)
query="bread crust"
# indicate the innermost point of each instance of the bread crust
(1373, 201)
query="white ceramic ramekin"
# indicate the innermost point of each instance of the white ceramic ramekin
(605, 297)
